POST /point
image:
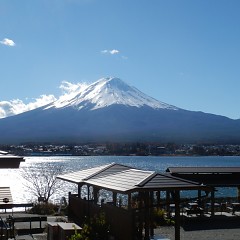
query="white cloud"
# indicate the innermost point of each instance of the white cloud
(17, 106)
(112, 52)
(8, 42)
(71, 89)
(104, 51)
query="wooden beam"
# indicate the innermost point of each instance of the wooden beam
(114, 198)
(168, 203)
(177, 214)
(158, 198)
(147, 216)
(151, 214)
(238, 193)
(129, 201)
(212, 202)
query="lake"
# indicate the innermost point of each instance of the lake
(12, 177)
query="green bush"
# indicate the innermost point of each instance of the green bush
(160, 217)
(84, 235)
(43, 208)
(95, 229)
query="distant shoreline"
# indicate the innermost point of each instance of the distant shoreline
(130, 155)
(123, 149)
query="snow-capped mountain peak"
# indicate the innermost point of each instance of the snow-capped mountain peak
(106, 92)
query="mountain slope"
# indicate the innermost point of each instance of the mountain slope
(110, 110)
(109, 91)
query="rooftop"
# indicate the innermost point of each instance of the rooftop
(124, 179)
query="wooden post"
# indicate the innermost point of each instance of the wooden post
(69, 206)
(151, 214)
(212, 201)
(129, 201)
(147, 218)
(158, 198)
(95, 194)
(168, 203)
(114, 198)
(177, 214)
(199, 198)
(140, 218)
(238, 193)
(88, 192)
(88, 202)
(79, 190)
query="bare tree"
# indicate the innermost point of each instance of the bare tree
(41, 180)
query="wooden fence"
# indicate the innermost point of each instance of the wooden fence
(121, 221)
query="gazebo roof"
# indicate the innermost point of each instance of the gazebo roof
(212, 176)
(204, 170)
(9, 161)
(79, 176)
(123, 178)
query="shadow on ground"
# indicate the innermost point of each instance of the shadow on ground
(208, 223)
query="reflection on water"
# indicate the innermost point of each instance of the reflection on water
(12, 177)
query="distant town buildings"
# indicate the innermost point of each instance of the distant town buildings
(123, 149)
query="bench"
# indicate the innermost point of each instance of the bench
(233, 209)
(15, 205)
(196, 211)
(229, 209)
(25, 228)
(23, 205)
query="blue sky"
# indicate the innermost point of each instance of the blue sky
(182, 52)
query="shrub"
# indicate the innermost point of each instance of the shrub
(160, 217)
(43, 208)
(96, 229)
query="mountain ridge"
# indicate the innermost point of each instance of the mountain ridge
(109, 91)
(82, 119)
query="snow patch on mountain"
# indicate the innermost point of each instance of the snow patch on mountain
(106, 92)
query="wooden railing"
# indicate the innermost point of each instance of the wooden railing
(16, 205)
(121, 221)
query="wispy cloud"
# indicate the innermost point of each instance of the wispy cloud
(112, 52)
(124, 57)
(8, 42)
(17, 106)
(69, 90)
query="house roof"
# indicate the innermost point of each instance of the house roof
(10, 161)
(212, 176)
(202, 170)
(79, 176)
(122, 181)
(123, 178)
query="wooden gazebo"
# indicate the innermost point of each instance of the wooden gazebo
(214, 177)
(119, 180)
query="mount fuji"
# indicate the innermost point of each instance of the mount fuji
(106, 92)
(111, 110)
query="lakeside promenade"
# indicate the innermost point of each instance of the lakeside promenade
(220, 227)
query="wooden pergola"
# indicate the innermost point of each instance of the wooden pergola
(120, 179)
(214, 177)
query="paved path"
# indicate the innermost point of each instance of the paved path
(220, 227)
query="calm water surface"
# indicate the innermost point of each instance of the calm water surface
(12, 177)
